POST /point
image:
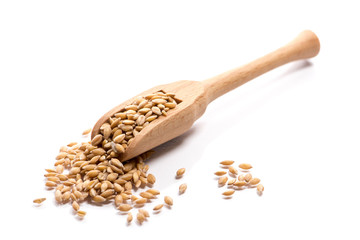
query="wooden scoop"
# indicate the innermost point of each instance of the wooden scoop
(196, 95)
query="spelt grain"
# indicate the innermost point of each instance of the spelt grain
(182, 188)
(58, 196)
(245, 166)
(146, 195)
(231, 181)
(50, 184)
(99, 199)
(248, 177)
(222, 180)
(220, 173)
(228, 193)
(233, 170)
(129, 217)
(227, 162)
(260, 188)
(140, 217)
(254, 181)
(125, 207)
(168, 200)
(39, 200)
(239, 184)
(144, 212)
(75, 206)
(158, 207)
(81, 213)
(151, 178)
(97, 140)
(86, 132)
(141, 201)
(180, 172)
(153, 191)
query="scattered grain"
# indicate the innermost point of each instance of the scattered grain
(222, 180)
(228, 193)
(75, 206)
(248, 177)
(220, 173)
(227, 162)
(86, 132)
(144, 212)
(182, 188)
(239, 184)
(140, 217)
(168, 200)
(81, 213)
(233, 170)
(129, 217)
(254, 181)
(39, 200)
(260, 188)
(245, 166)
(151, 178)
(141, 201)
(180, 172)
(158, 207)
(231, 181)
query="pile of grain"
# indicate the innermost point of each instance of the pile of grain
(92, 170)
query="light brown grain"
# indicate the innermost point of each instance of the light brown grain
(260, 188)
(245, 166)
(141, 201)
(220, 173)
(125, 207)
(231, 181)
(168, 200)
(227, 162)
(146, 195)
(81, 213)
(228, 193)
(97, 140)
(140, 217)
(75, 206)
(99, 199)
(233, 170)
(158, 207)
(151, 178)
(153, 191)
(182, 188)
(180, 172)
(86, 132)
(50, 184)
(39, 200)
(248, 177)
(144, 212)
(222, 180)
(129, 217)
(254, 181)
(239, 184)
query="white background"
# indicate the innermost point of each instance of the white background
(65, 63)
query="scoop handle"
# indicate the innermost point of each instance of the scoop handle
(305, 45)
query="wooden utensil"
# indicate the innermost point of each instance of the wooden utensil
(196, 95)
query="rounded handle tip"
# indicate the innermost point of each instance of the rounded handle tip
(307, 43)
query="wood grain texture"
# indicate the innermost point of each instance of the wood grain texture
(196, 95)
(305, 45)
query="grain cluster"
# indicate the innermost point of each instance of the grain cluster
(119, 131)
(92, 170)
(237, 179)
